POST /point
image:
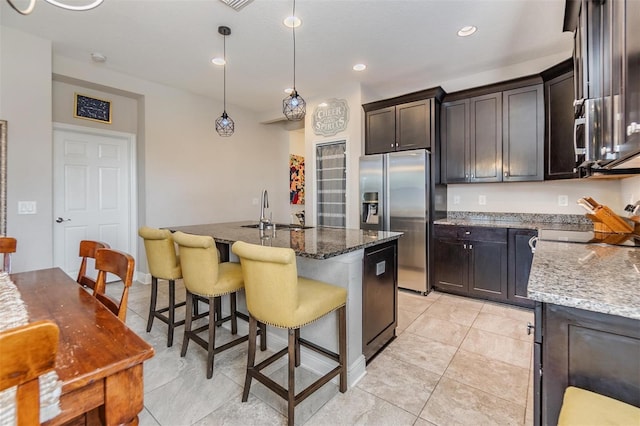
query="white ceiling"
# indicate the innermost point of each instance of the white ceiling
(406, 44)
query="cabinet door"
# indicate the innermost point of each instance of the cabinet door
(485, 138)
(488, 269)
(559, 152)
(413, 125)
(523, 134)
(455, 141)
(450, 258)
(380, 136)
(519, 266)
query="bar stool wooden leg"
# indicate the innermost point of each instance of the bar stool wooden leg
(263, 336)
(234, 318)
(342, 347)
(212, 336)
(291, 390)
(251, 357)
(154, 299)
(172, 311)
(297, 347)
(187, 324)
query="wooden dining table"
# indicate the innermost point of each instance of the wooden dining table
(99, 360)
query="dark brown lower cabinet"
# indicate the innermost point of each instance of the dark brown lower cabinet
(591, 350)
(379, 297)
(483, 262)
(471, 261)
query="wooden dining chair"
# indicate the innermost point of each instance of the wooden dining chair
(7, 246)
(88, 251)
(28, 352)
(120, 264)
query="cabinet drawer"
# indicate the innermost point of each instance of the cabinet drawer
(471, 233)
(478, 233)
(446, 231)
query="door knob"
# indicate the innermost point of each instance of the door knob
(60, 220)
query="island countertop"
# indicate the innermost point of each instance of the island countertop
(593, 277)
(314, 243)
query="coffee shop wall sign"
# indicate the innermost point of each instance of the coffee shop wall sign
(330, 117)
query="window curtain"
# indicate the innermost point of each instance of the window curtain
(332, 184)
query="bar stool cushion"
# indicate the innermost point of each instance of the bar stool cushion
(581, 407)
(159, 245)
(283, 299)
(203, 275)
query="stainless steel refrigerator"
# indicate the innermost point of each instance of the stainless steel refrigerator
(395, 195)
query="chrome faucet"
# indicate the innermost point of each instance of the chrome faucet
(264, 204)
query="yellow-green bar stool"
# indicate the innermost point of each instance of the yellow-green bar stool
(164, 264)
(277, 296)
(205, 277)
(581, 407)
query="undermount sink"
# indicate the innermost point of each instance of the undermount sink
(291, 226)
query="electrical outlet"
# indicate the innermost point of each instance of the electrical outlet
(563, 200)
(482, 200)
(254, 201)
(456, 199)
(27, 207)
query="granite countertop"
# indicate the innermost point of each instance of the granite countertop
(518, 220)
(593, 277)
(313, 243)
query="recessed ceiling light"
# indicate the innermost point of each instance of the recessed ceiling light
(359, 67)
(467, 31)
(288, 90)
(218, 61)
(292, 22)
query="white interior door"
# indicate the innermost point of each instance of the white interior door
(92, 192)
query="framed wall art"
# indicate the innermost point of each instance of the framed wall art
(90, 108)
(296, 173)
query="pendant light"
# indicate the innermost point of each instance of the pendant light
(32, 3)
(293, 106)
(224, 123)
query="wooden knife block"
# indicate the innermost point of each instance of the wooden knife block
(605, 220)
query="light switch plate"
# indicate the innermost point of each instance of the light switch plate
(563, 200)
(27, 207)
(456, 199)
(482, 200)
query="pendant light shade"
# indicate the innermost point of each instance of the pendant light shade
(224, 124)
(293, 106)
(26, 10)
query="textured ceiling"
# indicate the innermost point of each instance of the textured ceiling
(408, 45)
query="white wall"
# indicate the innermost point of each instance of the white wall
(630, 190)
(354, 136)
(25, 102)
(541, 197)
(187, 173)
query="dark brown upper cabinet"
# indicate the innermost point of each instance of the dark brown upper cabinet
(494, 133)
(560, 159)
(523, 134)
(402, 123)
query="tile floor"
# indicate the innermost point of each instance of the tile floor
(456, 361)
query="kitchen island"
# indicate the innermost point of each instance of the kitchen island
(332, 255)
(587, 323)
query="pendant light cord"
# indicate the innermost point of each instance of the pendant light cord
(224, 75)
(293, 28)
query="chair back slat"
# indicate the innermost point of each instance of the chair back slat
(120, 264)
(88, 251)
